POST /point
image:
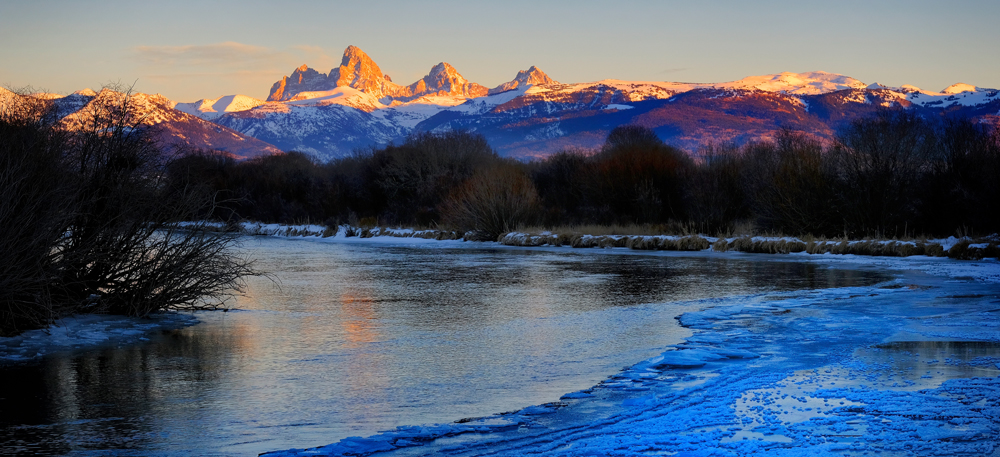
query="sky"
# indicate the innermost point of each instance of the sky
(189, 50)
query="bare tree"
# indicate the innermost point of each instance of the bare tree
(790, 182)
(880, 160)
(33, 204)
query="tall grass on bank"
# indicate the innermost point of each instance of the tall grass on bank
(614, 237)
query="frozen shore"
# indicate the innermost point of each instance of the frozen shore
(909, 367)
(85, 331)
(960, 248)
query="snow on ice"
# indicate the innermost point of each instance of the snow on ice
(909, 367)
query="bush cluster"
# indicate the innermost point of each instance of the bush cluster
(88, 222)
(894, 174)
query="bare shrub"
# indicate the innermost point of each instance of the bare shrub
(495, 201)
(103, 222)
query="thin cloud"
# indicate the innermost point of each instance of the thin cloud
(226, 66)
(210, 74)
(671, 70)
(226, 53)
(230, 56)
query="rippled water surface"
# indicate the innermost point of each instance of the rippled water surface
(351, 339)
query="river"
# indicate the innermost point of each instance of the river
(348, 339)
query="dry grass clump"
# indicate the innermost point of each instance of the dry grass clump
(879, 248)
(424, 234)
(638, 242)
(761, 246)
(966, 250)
(671, 228)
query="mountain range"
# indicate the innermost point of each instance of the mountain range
(356, 105)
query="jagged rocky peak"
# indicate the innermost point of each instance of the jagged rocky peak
(303, 79)
(444, 79)
(359, 71)
(529, 77)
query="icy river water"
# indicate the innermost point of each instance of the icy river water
(349, 339)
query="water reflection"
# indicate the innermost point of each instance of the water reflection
(359, 339)
(925, 364)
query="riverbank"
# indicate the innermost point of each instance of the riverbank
(965, 248)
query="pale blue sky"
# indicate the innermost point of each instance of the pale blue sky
(188, 50)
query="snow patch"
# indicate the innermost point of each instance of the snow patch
(85, 331)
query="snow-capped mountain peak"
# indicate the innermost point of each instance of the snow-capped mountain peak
(958, 88)
(444, 79)
(809, 83)
(359, 71)
(530, 77)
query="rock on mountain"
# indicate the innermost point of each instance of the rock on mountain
(360, 72)
(444, 80)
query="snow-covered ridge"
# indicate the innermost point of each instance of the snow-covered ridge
(810, 83)
(209, 109)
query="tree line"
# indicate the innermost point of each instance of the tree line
(894, 174)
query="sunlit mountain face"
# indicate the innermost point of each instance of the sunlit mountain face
(356, 105)
(176, 130)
